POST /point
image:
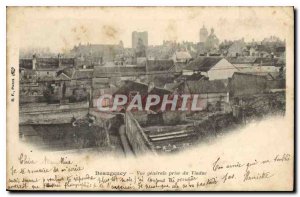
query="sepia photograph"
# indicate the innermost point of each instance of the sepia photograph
(150, 98)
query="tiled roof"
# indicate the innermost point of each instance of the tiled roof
(49, 78)
(83, 74)
(161, 79)
(241, 60)
(47, 63)
(100, 83)
(257, 75)
(106, 71)
(203, 63)
(117, 71)
(68, 71)
(133, 86)
(267, 75)
(193, 77)
(159, 91)
(62, 77)
(205, 86)
(159, 65)
(67, 62)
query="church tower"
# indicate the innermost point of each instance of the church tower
(203, 34)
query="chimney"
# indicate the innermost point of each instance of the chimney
(34, 62)
(59, 60)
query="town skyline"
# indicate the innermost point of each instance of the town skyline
(61, 34)
(128, 44)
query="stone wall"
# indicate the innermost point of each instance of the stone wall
(43, 113)
(137, 138)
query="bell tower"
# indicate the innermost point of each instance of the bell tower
(203, 34)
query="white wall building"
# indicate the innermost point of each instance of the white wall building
(212, 67)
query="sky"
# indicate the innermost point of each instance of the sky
(60, 28)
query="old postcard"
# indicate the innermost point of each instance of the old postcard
(150, 98)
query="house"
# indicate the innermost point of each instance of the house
(242, 61)
(212, 95)
(132, 88)
(237, 48)
(38, 74)
(160, 72)
(29, 90)
(83, 78)
(252, 93)
(46, 67)
(81, 81)
(108, 79)
(211, 67)
(27, 75)
(270, 66)
(257, 65)
(246, 84)
(89, 62)
(181, 57)
(243, 64)
(253, 52)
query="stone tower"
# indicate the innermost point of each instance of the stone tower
(203, 34)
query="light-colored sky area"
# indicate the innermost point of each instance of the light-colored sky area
(61, 28)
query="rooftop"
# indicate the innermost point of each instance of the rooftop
(205, 86)
(159, 65)
(203, 63)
